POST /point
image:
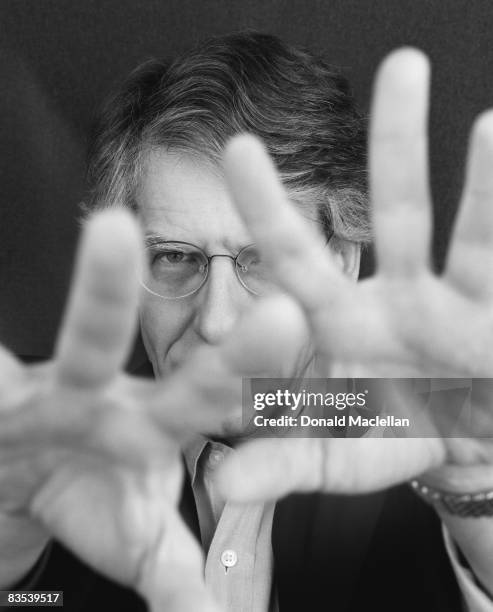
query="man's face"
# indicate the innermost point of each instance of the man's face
(184, 199)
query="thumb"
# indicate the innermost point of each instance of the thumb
(173, 576)
(267, 340)
(269, 469)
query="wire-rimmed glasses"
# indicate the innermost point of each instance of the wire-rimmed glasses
(177, 269)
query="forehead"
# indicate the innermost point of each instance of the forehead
(184, 197)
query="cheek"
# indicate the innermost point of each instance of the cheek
(163, 324)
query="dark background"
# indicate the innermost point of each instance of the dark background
(59, 58)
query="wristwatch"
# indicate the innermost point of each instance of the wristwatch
(464, 505)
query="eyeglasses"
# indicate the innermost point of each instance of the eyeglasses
(178, 269)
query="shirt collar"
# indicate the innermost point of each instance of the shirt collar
(199, 449)
(193, 451)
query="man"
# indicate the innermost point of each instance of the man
(94, 456)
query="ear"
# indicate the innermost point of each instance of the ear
(347, 254)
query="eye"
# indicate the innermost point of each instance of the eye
(173, 256)
(176, 257)
(249, 258)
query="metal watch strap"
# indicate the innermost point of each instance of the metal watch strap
(465, 505)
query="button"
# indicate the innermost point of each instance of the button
(229, 558)
(215, 457)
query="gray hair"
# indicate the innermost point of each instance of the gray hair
(299, 106)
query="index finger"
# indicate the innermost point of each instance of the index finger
(101, 316)
(398, 163)
(294, 250)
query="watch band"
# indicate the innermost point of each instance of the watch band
(465, 505)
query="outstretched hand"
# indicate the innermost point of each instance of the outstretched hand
(404, 321)
(79, 449)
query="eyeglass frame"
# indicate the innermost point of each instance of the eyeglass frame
(207, 258)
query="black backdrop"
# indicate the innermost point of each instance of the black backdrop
(59, 58)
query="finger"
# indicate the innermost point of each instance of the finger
(12, 379)
(101, 315)
(470, 260)
(294, 250)
(268, 340)
(398, 163)
(207, 390)
(269, 469)
(197, 399)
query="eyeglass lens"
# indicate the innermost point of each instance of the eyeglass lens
(178, 269)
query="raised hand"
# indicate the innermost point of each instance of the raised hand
(80, 455)
(404, 321)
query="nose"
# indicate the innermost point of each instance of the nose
(220, 301)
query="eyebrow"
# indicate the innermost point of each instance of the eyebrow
(151, 238)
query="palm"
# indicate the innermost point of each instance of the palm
(409, 329)
(412, 323)
(101, 497)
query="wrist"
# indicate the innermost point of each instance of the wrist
(22, 541)
(458, 480)
(462, 505)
